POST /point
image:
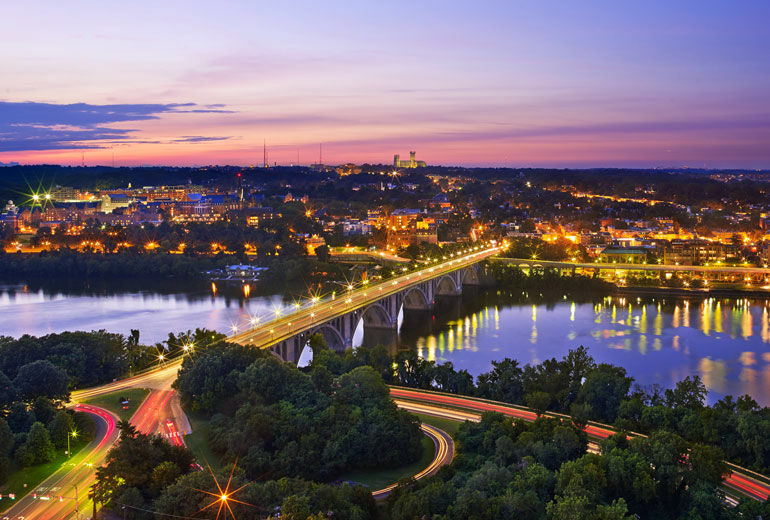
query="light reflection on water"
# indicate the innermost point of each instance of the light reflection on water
(661, 340)
(38, 312)
(725, 341)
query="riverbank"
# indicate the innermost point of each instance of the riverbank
(694, 293)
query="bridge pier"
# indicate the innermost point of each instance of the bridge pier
(380, 317)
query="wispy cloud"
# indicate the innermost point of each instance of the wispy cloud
(199, 139)
(31, 126)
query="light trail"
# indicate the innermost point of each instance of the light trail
(738, 479)
(444, 453)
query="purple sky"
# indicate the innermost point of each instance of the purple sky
(589, 83)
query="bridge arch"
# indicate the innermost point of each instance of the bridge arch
(416, 299)
(446, 286)
(470, 276)
(332, 336)
(377, 316)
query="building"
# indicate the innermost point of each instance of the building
(402, 218)
(622, 255)
(411, 163)
(695, 252)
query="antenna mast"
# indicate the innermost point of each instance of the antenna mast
(264, 153)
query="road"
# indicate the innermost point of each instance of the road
(444, 453)
(72, 481)
(740, 480)
(158, 413)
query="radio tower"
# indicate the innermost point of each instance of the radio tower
(264, 153)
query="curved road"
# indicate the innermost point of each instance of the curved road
(741, 480)
(443, 455)
(67, 489)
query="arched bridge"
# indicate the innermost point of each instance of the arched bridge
(377, 305)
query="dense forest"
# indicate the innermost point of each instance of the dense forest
(86, 358)
(586, 390)
(279, 421)
(145, 478)
(541, 470)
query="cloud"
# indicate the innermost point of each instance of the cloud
(199, 139)
(29, 126)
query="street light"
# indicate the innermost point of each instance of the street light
(73, 435)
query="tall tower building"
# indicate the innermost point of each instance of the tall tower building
(396, 161)
(412, 160)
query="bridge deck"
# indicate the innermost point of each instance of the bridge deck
(316, 313)
(635, 267)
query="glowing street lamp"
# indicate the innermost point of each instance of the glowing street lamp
(72, 434)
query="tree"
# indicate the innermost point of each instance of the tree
(690, 393)
(295, 507)
(580, 413)
(7, 392)
(6, 438)
(604, 389)
(38, 446)
(42, 378)
(60, 428)
(503, 382)
(322, 252)
(538, 401)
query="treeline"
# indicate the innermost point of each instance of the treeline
(537, 249)
(540, 470)
(34, 424)
(586, 390)
(285, 423)
(71, 264)
(87, 358)
(509, 277)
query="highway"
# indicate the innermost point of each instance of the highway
(740, 480)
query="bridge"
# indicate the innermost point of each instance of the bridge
(378, 305)
(714, 272)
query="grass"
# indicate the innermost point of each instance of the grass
(198, 443)
(379, 478)
(34, 475)
(448, 425)
(112, 402)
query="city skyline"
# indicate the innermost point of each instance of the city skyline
(501, 84)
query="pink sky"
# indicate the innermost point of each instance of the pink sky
(504, 83)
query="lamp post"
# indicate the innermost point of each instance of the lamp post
(73, 435)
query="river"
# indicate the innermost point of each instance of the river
(658, 340)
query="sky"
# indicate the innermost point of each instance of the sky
(485, 83)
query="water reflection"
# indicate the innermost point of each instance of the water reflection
(29, 310)
(658, 340)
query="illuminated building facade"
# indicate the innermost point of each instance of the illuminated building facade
(411, 163)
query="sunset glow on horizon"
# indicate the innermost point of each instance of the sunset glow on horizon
(582, 84)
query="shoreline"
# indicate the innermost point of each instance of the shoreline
(694, 293)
